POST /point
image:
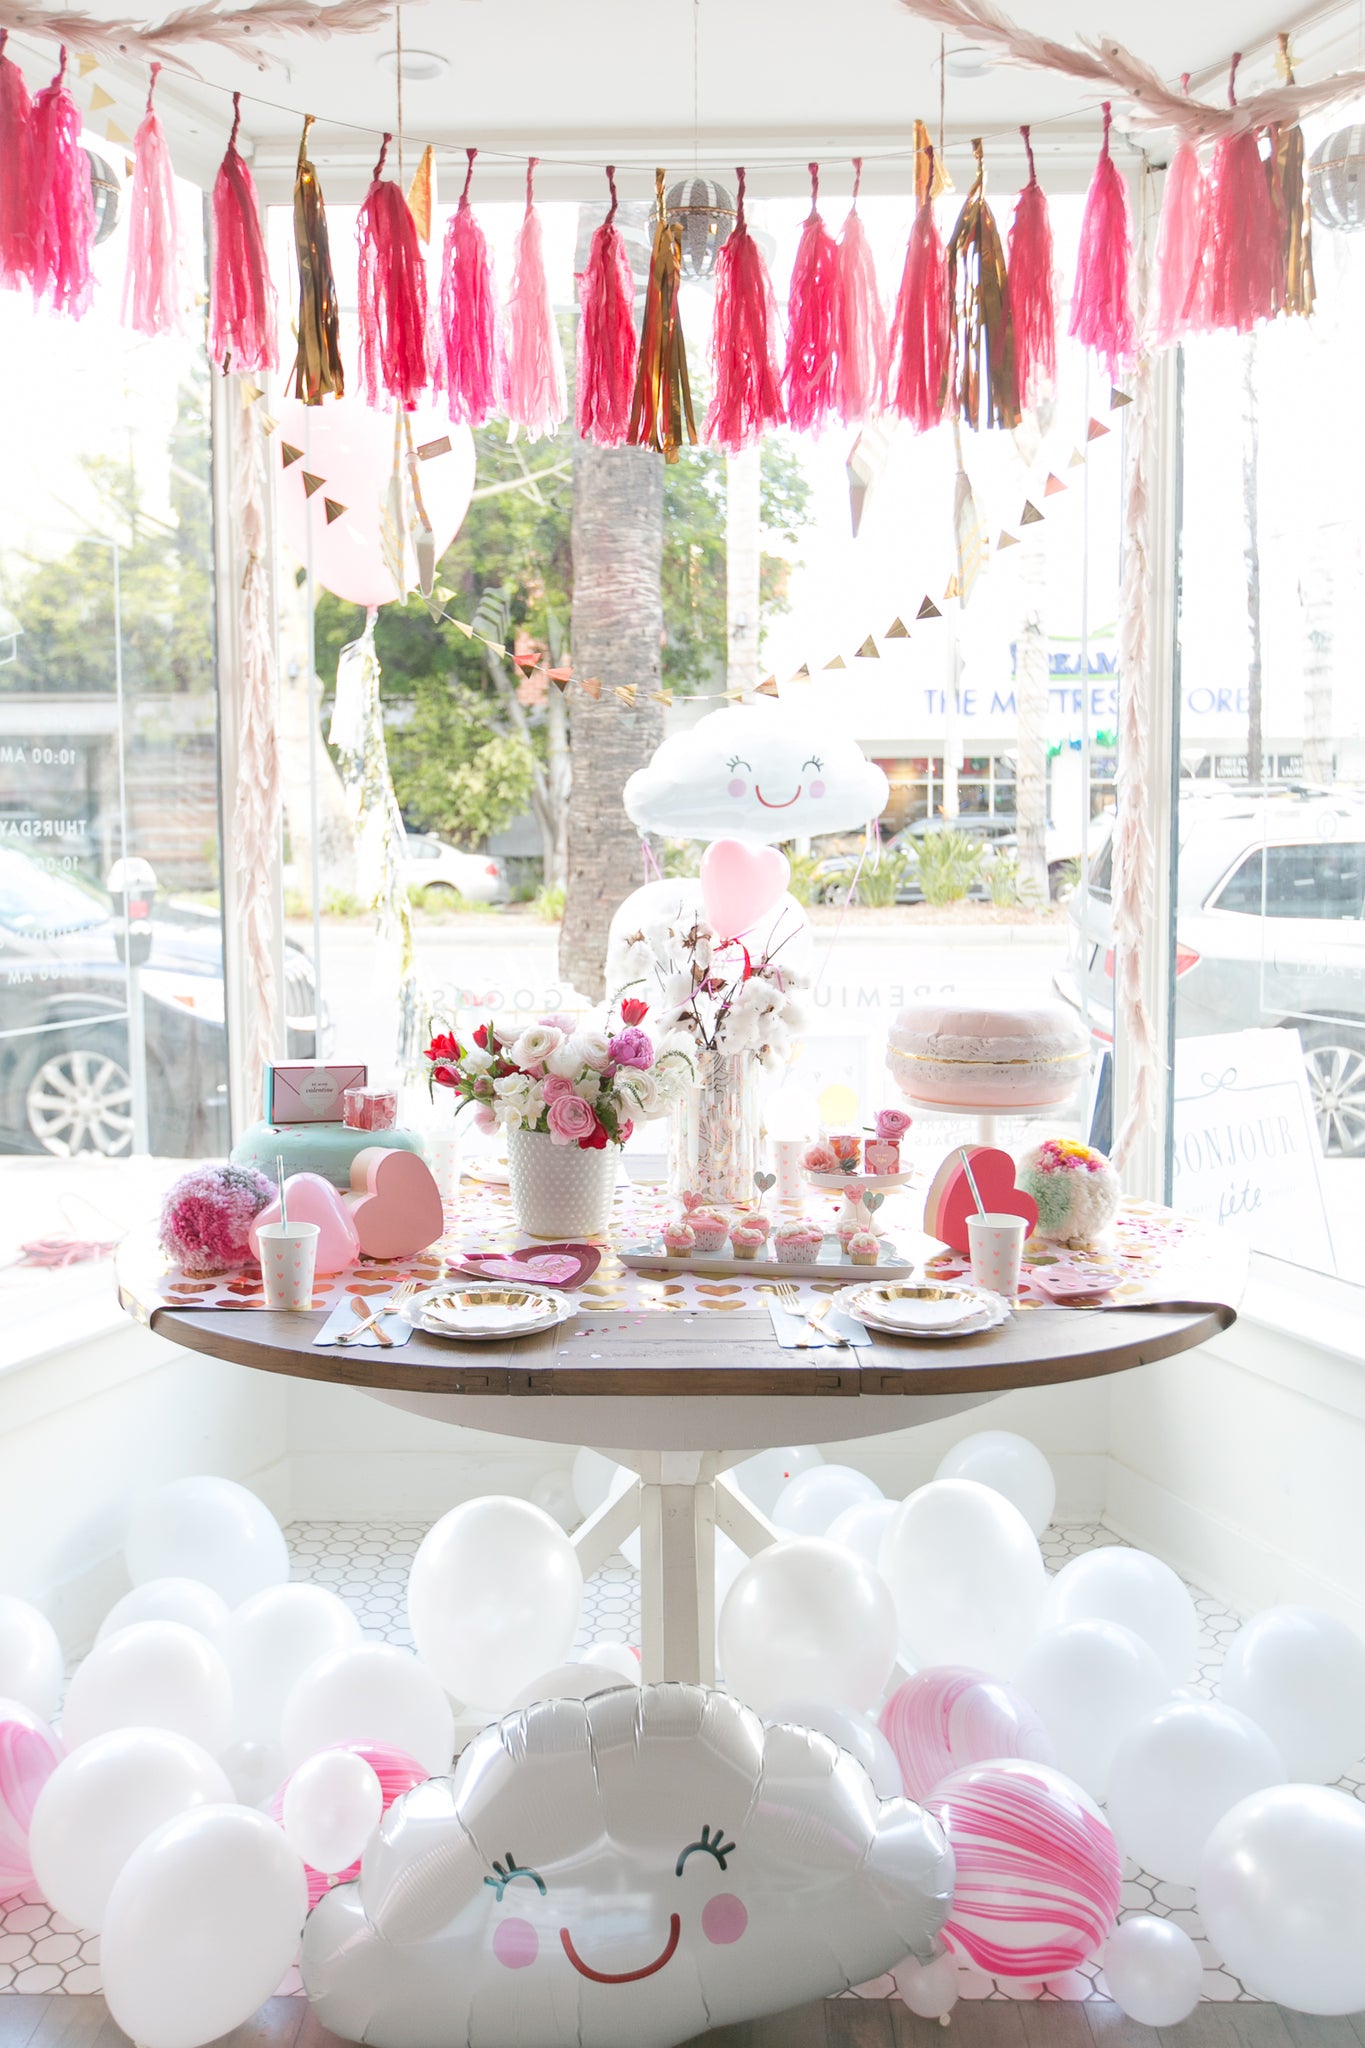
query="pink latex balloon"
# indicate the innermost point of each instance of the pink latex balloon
(29, 1753)
(1038, 1871)
(397, 1773)
(949, 1716)
(739, 883)
(309, 1198)
(351, 449)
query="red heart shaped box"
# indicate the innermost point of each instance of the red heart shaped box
(535, 1265)
(394, 1202)
(949, 1201)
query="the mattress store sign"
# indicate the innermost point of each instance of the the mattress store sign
(1072, 696)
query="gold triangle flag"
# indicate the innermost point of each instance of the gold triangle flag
(1118, 398)
(1030, 516)
(113, 133)
(897, 630)
(461, 627)
(768, 687)
(1052, 486)
(332, 509)
(1007, 540)
(627, 693)
(664, 697)
(593, 687)
(954, 588)
(100, 99)
(250, 392)
(268, 425)
(312, 483)
(802, 674)
(422, 193)
(868, 651)
(928, 610)
(289, 453)
(1077, 460)
(1095, 429)
(86, 64)
(838, 662)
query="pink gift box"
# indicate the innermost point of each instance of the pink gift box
(370, 1109)
(881, 1156)
(300, 1092)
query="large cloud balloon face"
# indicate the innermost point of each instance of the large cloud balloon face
(758, 769)
(625, 1870)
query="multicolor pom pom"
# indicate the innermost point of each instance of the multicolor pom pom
(1076, 1189)
(207, 1215)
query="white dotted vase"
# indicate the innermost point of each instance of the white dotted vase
(560, 1190)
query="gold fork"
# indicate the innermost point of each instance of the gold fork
(789, 1298)
(373, 1321)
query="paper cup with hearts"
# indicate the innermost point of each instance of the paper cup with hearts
(288, 1253)
(997, 1248)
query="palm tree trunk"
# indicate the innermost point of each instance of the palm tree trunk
(618, 502)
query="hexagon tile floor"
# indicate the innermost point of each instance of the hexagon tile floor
(367, 1564)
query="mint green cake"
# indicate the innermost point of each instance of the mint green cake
(327, 1149)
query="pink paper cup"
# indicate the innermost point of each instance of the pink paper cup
(997, 1248)
(288, 1254)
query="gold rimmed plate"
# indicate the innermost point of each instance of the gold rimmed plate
(925, 1310)
(479, 1309)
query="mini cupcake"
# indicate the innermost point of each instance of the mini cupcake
(864, 1248)
(756, 1220)
(709, 1230)
(746, 1242)
(796, 1244)
(679, 1239)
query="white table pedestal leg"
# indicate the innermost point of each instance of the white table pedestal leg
(677, 1566)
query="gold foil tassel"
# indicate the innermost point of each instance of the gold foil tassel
(982, 385)
(663, 397)
(1289, 190)
(317, 366)
(422, 193)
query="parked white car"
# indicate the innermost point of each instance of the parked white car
(477, 877)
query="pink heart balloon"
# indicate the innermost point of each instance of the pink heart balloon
(311, 1199)
(739, 883)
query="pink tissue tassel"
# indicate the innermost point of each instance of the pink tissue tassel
(812, 373)
(1180, 279)
(1101, 307)
(63, 203)
(1243, 252)
(607, 345)
(860, 365)
(242, 308)
(16, 174)
(747, 395)
(151, 280)
(392, 295)
(918, 388)
(470, 364)
(535, 361)
(1032, 303)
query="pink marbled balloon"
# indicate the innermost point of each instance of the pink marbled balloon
(29, 1754)
(949, 1716)
(1038, 1871)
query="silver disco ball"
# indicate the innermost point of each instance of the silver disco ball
(705, 212)
(106, 192)
(1336, 180)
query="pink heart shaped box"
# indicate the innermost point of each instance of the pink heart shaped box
(543, 1265)
(308, 1198)
(949, 1201)
(394, 1202)
(739, 883)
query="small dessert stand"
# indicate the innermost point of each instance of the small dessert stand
(855, 1214)
(831, 1262)
(989, 1116)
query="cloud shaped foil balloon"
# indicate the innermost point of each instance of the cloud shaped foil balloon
(626, 1871)
(759, 770)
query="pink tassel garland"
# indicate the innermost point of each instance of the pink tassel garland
(1180, 279)
(812, 373)
(242, 305)
(535, 361)
(1101, 307)
(471, 359)
(747, 397)
(607, 345)
(16, 174)
(151, 281)
(63, 203)
(920, 328)
(1244, 234)
(1032, 304)
(392, 295)
(860, 357)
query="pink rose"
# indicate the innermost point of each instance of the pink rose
(485, 1121)
(559, 1022)
(570, 1119)
(555, 1086)
(632, 1048)
(892, 1124)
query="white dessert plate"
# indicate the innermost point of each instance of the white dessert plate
(866, 1183)
(483, 1311)
(924, 1310)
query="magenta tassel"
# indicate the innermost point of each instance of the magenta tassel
(860, 364)
(470, 363)
(812, 373)
(392, 295)
(1243, 239)
(920, 326)
(607, 344)
(16, 174)
(535, 360)
(242, 305)
(151, 281)
(64, 205)
(747, 397)
(1032, 303)
(1101, 309)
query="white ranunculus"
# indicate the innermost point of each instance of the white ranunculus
(566, 1060)
(476, 1060)
(535, 1044)
(589, 1088)
(593, 1048)
(513, 1089)
(641, 1090)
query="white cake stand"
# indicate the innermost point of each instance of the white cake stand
(989, 1116)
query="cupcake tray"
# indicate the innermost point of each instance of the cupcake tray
(831, 1262)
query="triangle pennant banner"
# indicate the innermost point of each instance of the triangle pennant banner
(897, 630)
(312, 483)
(593, 688)
(422, 193)
(928, 610)
(1007, 540)
(289, 453)
(430, 448)
(332, 509)
(838, 662)
(954, 588)
(802, 675)
(113, 133)
(559, 679)
(1118, 399)
(627, 693)
(768, 687)
(100, 99)
(1052, 486)
(868, 651)
(664, 697)
(268, 425)
(1030, 516)
(1077, 460)
(250, 392)
(86, 64)
(1095, 429)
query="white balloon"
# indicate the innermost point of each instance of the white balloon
(268, 1644)
(1153, 1971)
(1139, 1592)
(553, 1491)
(255, 1770)
(1301, 1675)
(806, 1620)
(862, 1527)
(103, 1800)
(1012, 1466)
(332, 1805)
(184, 1600)
(929, 1989)
(1091, 1681)
(1177, 1773)
(967, 1576)
(616, 1657)
(1282, 1896)
(156, 1674)
(575, 1681)
(373, 1693)
(209, 1529)
(730, 1562)
(591, 1480)
(763, 1476)
(857, 1733)
(494, 1596)
(809, 1503)
(203, 1922)
(30, 1657)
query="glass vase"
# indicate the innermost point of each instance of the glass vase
(715, 1131)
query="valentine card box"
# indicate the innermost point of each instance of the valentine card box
(949, 1201)
(394, 1202)
(538, 1265)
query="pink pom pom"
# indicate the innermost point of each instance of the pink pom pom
(242, 307)
(535, 361)
(470, 364)
(748, 395)
(1101, 308)
(607, 345)
(918, 388)
(812, 373)
(151, 281)
(860, 369)
(207, 1217)
(64, 206)
(392, 295)
(16, 174)
(1030, 284)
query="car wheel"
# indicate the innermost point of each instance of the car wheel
(80, 1100)
(1335, 1059)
